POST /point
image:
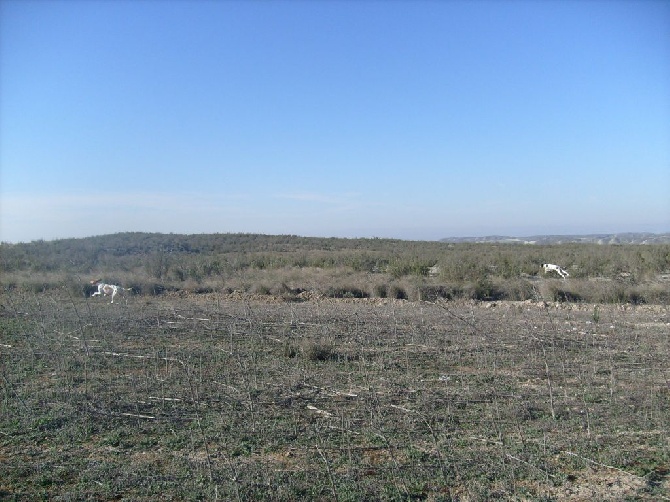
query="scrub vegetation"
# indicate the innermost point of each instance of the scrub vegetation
(281, 368)
(288, 265)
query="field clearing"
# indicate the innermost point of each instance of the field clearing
(240, 397)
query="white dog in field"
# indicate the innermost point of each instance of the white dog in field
(107, 289)
(549, 267)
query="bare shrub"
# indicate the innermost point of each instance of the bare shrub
(655, 293)
(432, 293)
(158, 264)
(287, 293)
(397, 292)
(516, 289)
(604, 291)
(319, 350)
(565, 294)
(261, 289)
(380, 290)
(290, 350)
(484, 290)
(149, 288)
(201, 290)
(345, 292)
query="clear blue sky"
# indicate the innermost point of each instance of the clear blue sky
(408, 119)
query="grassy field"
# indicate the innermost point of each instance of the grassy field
(240, 396)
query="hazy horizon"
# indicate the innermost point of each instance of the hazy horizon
(448, 237)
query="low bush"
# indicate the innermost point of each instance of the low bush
(516, 289)
(319, 350)
(397, 292)
(345, 292)
(431, 293)
(261, 289)
(348, 268)
(380, 290)
(565, 295)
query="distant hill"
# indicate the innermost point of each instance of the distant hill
(624, 238)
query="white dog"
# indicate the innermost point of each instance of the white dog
(548, 267)
(107, 289)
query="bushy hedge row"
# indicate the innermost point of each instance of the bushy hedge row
(358, 268)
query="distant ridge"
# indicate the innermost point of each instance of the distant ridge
(623, 238)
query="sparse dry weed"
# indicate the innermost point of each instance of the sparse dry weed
(256, 397)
